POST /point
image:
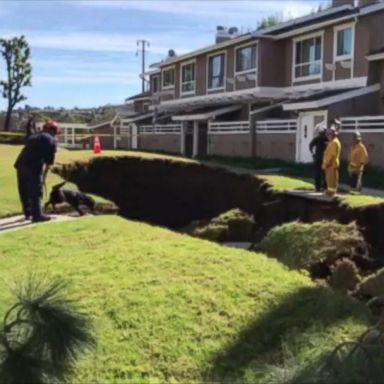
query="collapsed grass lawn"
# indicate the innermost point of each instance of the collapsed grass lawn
(299, 176)
(9, 200)
(170, 308)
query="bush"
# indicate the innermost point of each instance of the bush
(373, 285)
(213, 232)
(344, 276)
(240, 225)
(15, 138)
(234, 225)
(301, 246)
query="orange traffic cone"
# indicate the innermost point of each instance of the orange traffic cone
(96, 145)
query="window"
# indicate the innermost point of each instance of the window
(168, 78)
(155, 84)
(308, 57)
(216, 71)
(344, 39)
(188, 78)
(245, 59)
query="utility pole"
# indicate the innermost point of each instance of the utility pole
(142, 51)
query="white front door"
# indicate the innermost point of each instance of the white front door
(306, 132)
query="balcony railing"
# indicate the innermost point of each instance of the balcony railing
(232, 127)
(160, 129)
(276, 126)
(367, 124)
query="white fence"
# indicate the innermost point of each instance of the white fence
(367, 124)
(232, 127)
(160, 129)
(276, 126)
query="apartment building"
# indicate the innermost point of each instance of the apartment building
(264, 93)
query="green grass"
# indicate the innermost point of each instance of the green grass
(9, 199)
(283, 183)
(291, 176)
(171, 308)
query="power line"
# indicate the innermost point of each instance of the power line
(142, 51)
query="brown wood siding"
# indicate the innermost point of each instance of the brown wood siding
(327, 53)
(381, 98)
(368, 36)
(342, 73)
(288, 48)
(271, 63)
(201, 72)
(141, 106)
(177, 80)
(229, 69)
(362, 42)
(201, 75)
(158, 83)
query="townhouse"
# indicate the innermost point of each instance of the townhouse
(265, 93)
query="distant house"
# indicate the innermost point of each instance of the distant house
(264, 93)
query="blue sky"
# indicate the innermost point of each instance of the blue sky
(84, 52)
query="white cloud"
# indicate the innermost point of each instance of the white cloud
(107, 42)
(236, 10)
(82, 78)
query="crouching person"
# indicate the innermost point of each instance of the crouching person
(357, 159)
(331, 161)
(32, 166)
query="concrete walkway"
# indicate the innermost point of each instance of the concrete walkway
(15, 223)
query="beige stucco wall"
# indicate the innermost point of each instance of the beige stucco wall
(275, 146)
(238, 145)
(164, 142)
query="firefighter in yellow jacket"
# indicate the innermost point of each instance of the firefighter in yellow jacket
(357, 159)
(331, 161)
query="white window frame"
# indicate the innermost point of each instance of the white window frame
(310, 77)
(253, 44)
(224, 72)
(158, 84)
(336, 30)
(172, 86)
(184, 64)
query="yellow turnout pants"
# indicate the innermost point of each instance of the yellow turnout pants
(332, 179)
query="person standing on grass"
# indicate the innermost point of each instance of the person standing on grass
(357, 159)
(32, 166)
(317, 147)
(331, 161)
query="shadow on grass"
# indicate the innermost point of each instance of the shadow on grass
(299, 319)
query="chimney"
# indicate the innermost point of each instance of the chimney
(222, 34)
(338, 3)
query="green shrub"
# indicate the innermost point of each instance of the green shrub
(234, 225)
(300, 245)
(373, 285)
(213, 232)
(240, 224)
(344, 276)
(15, 138)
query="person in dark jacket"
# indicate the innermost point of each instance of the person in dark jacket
(32, 166)
(317, 147)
